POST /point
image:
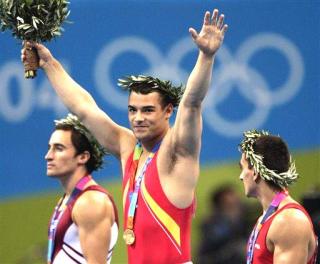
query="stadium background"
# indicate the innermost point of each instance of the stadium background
(266, 76)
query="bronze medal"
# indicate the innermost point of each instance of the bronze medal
(129, 236)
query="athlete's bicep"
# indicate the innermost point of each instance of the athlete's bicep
(186, 133)
(93, 215)
(289, 233)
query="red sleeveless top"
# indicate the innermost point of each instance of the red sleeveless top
(261, 254)
(162, 230)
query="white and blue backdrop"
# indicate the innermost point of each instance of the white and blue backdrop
(266, 76)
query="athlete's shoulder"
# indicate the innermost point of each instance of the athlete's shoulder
(290, 224)
(92, 205)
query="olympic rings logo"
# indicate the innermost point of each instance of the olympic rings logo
(235, 72)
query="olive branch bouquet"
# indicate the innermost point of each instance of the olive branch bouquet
(35, 21)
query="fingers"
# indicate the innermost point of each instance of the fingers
(220, 21)
(23, 53)
(224, 29)
(215, 17)
(194, 33)
(206, 20)
(28, 45)
(216, 20)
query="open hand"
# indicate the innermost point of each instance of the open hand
(212, 33)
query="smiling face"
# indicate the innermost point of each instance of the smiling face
(248, 177)
(61, 157)
(149, 120)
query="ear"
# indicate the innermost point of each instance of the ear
(83, 157)
(169, 111)
(256, 177)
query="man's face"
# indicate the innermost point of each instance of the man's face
(147, 117)
(247, 177)
(61, 156)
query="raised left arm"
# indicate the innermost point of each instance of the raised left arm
(188, 126)
(94, 216)
(178, 160)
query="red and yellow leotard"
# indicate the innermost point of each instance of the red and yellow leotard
(161, 229)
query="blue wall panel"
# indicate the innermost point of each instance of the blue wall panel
(266, 76)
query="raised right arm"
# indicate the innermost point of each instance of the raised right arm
(118, 140)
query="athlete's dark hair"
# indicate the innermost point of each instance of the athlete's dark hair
(275, 154)
(169, 93)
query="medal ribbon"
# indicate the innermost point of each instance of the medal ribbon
(58, 214)
(133, 196)
(254, 234)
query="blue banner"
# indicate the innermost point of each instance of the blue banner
(266, 76)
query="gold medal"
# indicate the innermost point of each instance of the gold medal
(129, 236)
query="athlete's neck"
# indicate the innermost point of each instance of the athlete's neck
(265, 196)
(148, 145)
(69, 182)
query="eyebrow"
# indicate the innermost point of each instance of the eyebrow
(148, 107)
(240, 165)
(143, 107)
(56, 145)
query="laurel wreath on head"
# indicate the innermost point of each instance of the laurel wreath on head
(98, 151)
(282, 179)
(140, 82)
